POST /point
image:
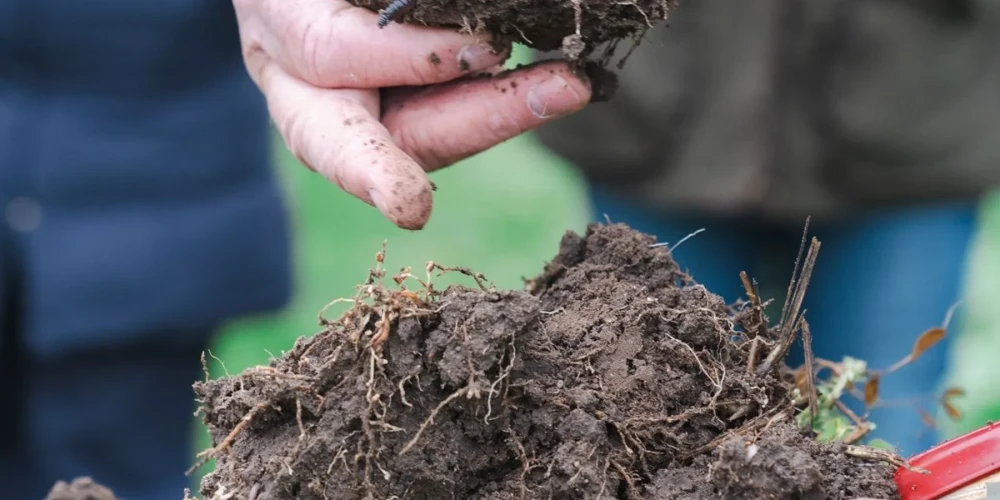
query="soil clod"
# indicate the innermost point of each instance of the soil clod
(82, 488)
(577, 27)
(611, 376)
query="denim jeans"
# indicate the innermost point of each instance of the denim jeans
(880, 281)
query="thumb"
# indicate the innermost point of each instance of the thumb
(335, 133)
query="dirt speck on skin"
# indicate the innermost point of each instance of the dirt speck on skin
(612, 376)
(83, 488)
(575, 26)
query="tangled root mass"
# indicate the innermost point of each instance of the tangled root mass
(613, 376)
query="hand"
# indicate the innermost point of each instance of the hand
(322, 63)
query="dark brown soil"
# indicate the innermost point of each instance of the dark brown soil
(577, 26)
(612, 377)
(82, 488)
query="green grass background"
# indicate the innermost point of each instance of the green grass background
(502, 213)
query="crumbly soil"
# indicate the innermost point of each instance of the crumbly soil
(612, 376)
(82, 488)
(575, 26)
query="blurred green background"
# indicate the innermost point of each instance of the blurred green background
(502, 213)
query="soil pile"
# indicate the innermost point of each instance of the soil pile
(613, 376)
(576, 26)
(82, 488)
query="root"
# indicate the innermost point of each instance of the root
(477, 277)
(402, 391)
(523, 36)
(650, 24)
(578, 16)
(503, 375)
(211, 453)
(633, 491)
(711, 379)
(298, 418)
(430, 418)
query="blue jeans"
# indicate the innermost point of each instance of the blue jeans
(880, 281)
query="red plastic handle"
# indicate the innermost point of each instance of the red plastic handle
(952, 465)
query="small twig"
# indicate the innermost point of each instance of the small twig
(791, 319)
(795, 274)
(298, 418)
(758, 317)
(832, 366)
(849, 413)
(949, 314)
(477, 277)
(858, 433)
(876, 454)
(760, 421)
(810, 373)
(752, 358)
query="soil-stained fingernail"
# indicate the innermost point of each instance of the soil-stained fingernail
(479, 57)
(554, 97)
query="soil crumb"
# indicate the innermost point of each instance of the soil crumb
(575, 26)
(611, 376)
(82, 488)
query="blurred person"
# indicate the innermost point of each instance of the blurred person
(879, 119)
(140, 213)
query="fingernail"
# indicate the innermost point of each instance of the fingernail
(553, 97)
(377, 200)
(478, 57)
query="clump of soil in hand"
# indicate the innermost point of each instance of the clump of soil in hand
(82, 488)
(613, 376)
(575, 26)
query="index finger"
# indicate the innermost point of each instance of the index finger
(333, 44)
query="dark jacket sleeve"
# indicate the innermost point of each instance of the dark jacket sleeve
(800, 107)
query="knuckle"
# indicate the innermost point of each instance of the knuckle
(293, 128)
(423, 73)
(320, 49)
(416, 147)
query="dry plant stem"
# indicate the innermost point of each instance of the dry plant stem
(810, 373)
(792, 320)
(875, 454)
(477, 277)
(758, 318)
(858, 433)
(783, 321)
(760, 422)
(849, 413)
(752, 358)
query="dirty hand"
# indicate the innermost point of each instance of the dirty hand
(321, 65)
